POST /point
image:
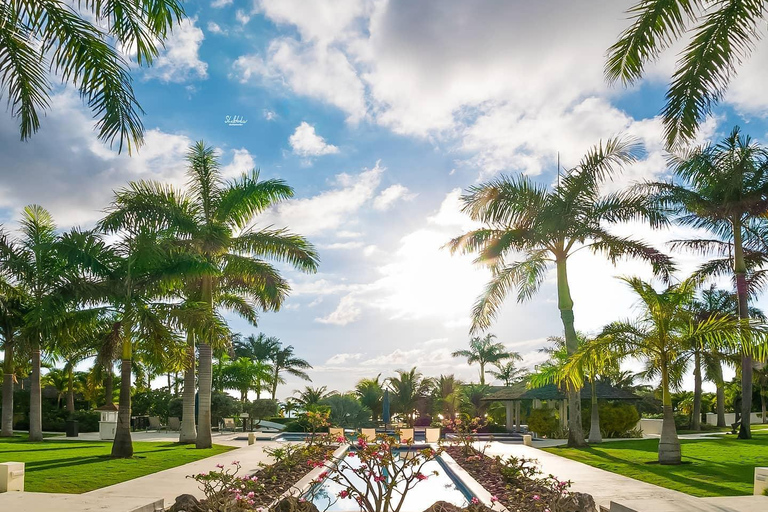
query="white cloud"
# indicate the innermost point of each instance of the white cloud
(242, 17)
(242, 162)
(179, 61)
(214, 28)
(389, 196)
(345, 313)
(217, 4)
(305, 142)
(343, 245)
(269, 115)
(344, 358)
(348, 234)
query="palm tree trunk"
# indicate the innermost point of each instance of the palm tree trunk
(35, 398)
(720, 395)
(740, 270)
(696, 421)
(122, 446)
(204, 398)
(6, 425)
(70, 391)
(274, 381)
(565, 304)
(669, 444)
(188, 431)
(109, 389)
(595, 436)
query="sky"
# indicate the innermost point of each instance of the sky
(379, 113)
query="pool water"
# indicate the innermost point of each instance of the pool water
(440, 487)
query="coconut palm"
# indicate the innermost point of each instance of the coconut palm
(485, 351)
(722, 188)
(283, 360)
(310, 397)
(723, 36)
(542, 226)
(36, 270)
(57, 379)
(665, 328)
(448, 394)
(407, 388)
(245, 375)
(508, 372)
(371, 393)
(213, 220)
(81, 45)
(256, 348)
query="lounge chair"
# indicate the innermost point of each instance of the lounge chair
(228, 424)
(368, 433)
(406, 435)
(154, 424)
(174, 424)
(335, 433)
(432, 435)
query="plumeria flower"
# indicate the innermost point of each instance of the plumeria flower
(475, 501)
(536, 497)
(344, 494)
(494, 499)
(235, 462)
(220, 466)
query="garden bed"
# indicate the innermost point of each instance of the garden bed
(516, 484)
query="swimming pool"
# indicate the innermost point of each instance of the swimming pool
(441, 487)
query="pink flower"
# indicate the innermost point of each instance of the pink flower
(341, 439)
(420, 476)
(235, 462)
(220, 466)
(494, 499)
(344, 494)
(475, 501)
(379, 479)
(251, 494)
(351, 454)
(536, 497)
(254, 479)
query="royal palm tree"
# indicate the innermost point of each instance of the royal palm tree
(36, 270)
(665, 328)
(11, 322)
(723, 36)
(213, 220)
(371, 393)
(283, 360)
(722, 188)
(81, 45)
(485, 351)
(508, 372)
(546, 227)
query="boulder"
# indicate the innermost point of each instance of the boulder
(292, 504)
(186, 503)
(583, 502)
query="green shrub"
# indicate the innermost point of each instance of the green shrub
(543, 422)
(294, 426)
(176, 407)
(261, 408)
(280, 419)
(347, 411)
(87, 421)
(617, 419)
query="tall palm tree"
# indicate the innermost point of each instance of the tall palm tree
(722, 188)
(546, 227)
(33, 263)
(723, 36)
(284, 360)
(81, 46)
(245, 375)
(310, 397)
(408, 387)
(448, 394)
(213, 220)
(659, 336)
(485, 351)
(508, 372)
(11, 323)
(256, 348)
(371, 393)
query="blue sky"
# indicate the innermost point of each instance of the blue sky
(378, 112)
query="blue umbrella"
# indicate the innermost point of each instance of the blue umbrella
(385, 414)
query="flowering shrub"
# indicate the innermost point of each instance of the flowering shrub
(317, 420)
(464, 430)
(385, 474)
(225, 491)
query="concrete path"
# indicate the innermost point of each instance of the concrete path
(605, 486)
(170, 483)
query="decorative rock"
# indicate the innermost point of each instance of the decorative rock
(292, 504)
(584, 502)
(186, 503)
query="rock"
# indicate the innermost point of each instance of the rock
(583, 502)
(292, 504)
(186, 503)
(443, 506)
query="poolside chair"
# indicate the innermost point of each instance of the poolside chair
(174, 424)
(368, 433)
(432, 434)
(154, 424)
(335, 433)
(406, 435)
(228, 424)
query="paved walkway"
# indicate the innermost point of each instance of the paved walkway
(605, 486)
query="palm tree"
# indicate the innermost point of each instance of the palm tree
(724, 35)
(659, 336)
(36, 270)
(256, 348)
(245, 375)
(448, 394)
(407, 388)
(484, 351)
(723, 189)
(212, 221)
(11, 322)
(548, 226)
(57, 378)
(370, 393)
(82, 47)
(508, 372)
(311, 397)
(284, 360)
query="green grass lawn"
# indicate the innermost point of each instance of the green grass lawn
(721, 466)
(79, 466)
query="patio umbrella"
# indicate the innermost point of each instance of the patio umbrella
(385, 414)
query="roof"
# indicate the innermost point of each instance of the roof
(107, 407)
(552, 392)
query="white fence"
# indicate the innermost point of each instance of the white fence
(730, 418)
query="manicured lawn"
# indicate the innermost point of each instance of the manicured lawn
(81, 466)
(722, 466)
